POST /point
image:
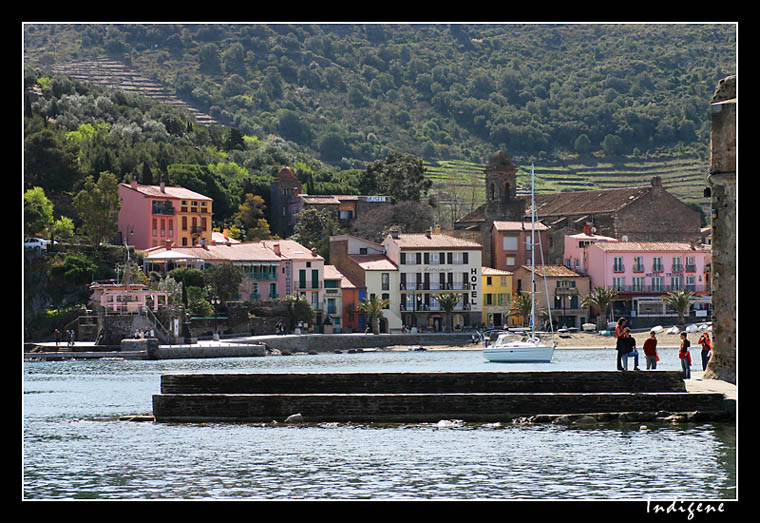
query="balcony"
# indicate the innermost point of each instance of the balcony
(657, 289)
(435, 286)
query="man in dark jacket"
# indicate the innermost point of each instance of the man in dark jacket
(629, 350)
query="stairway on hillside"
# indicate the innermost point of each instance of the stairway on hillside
(112, 74)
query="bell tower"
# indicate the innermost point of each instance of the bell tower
(501, 189)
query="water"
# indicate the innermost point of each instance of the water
(74, 446)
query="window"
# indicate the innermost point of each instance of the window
(386, 281)
(488, 280)
(510, 243)
(618, 284)
(638, 264)
(657, 264)
(510, 261)
(617, 265)
(386, 296)
(638, 284)
(658, 284)
(363, 251)
(677, 266)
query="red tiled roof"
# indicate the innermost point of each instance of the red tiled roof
(552, 271)
(154, 191)
(434, 241)
(490, 271)
(517, 226)
(373, 262)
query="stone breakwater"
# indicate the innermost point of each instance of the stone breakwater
(415, 397)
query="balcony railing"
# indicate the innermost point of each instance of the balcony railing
(650, 289)
(435, 286)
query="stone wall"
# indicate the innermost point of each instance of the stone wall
(333, 342)
(421, 397)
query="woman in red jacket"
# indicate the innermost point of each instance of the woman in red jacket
(650, 351)
(683, 353)
(704, 341)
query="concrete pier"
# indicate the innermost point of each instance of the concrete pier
(427, 396)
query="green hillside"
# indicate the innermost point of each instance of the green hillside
(460, 185)
(347, 94)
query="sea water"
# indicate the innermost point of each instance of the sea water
(75, 446)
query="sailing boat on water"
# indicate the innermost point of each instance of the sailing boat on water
(524, 347)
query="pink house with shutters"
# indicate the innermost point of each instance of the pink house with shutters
(152, 214)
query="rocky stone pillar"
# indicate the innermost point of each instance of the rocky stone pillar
(722, 182)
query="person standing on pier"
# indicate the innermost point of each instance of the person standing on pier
(685, 356)
(650, 351)
(620, 343)
(704, 341)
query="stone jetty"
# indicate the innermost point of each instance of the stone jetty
(414, 397)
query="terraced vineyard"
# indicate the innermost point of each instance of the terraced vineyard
(460, 185)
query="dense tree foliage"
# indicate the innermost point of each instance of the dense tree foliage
(350, 93)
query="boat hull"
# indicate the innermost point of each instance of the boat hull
(534, 354)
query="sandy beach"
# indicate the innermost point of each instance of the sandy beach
(585, 340)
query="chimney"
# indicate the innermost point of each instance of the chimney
(314, 251)
(437, 229)
(394, 232)
(203, 243)
(168, 245)
(276, 248)
(657, 182)
(134, 183)
(587, 230)
(163, 187)
(428, 233)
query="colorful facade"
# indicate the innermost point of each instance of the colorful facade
(497, 297)
(642, 272)
(510, 244)
(151, 214)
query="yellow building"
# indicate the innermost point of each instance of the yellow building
(497, 297)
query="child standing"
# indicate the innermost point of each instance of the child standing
(685, 356)
(650, 351)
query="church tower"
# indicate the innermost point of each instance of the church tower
(501, 189)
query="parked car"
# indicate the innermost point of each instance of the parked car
(36, 243)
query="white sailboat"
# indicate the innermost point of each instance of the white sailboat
(524, 347)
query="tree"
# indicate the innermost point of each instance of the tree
(600, 299)
(98, 206)
(400, 176)
(314, 228)
(680, 302)
(38, 213)
(448, 300)
(521, 307)
(299, 309)
(408, 216)
(251, 216)
(224, 280)
(373, 308)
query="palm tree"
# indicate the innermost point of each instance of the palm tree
(448, 300)
(373, 308)
(600, 299)
(680, 302)
(521, 307)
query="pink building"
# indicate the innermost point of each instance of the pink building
(301, 270)
(576, 250)
(642, 272)
(151, 214)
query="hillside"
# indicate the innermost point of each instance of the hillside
(348, 94)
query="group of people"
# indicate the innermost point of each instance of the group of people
(69, 337)
(626, 348)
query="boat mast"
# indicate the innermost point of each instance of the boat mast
(532, 256)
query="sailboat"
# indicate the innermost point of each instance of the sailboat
(521, 346)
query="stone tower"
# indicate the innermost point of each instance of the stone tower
(284, 193)
(722, 182)
(502, 203)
